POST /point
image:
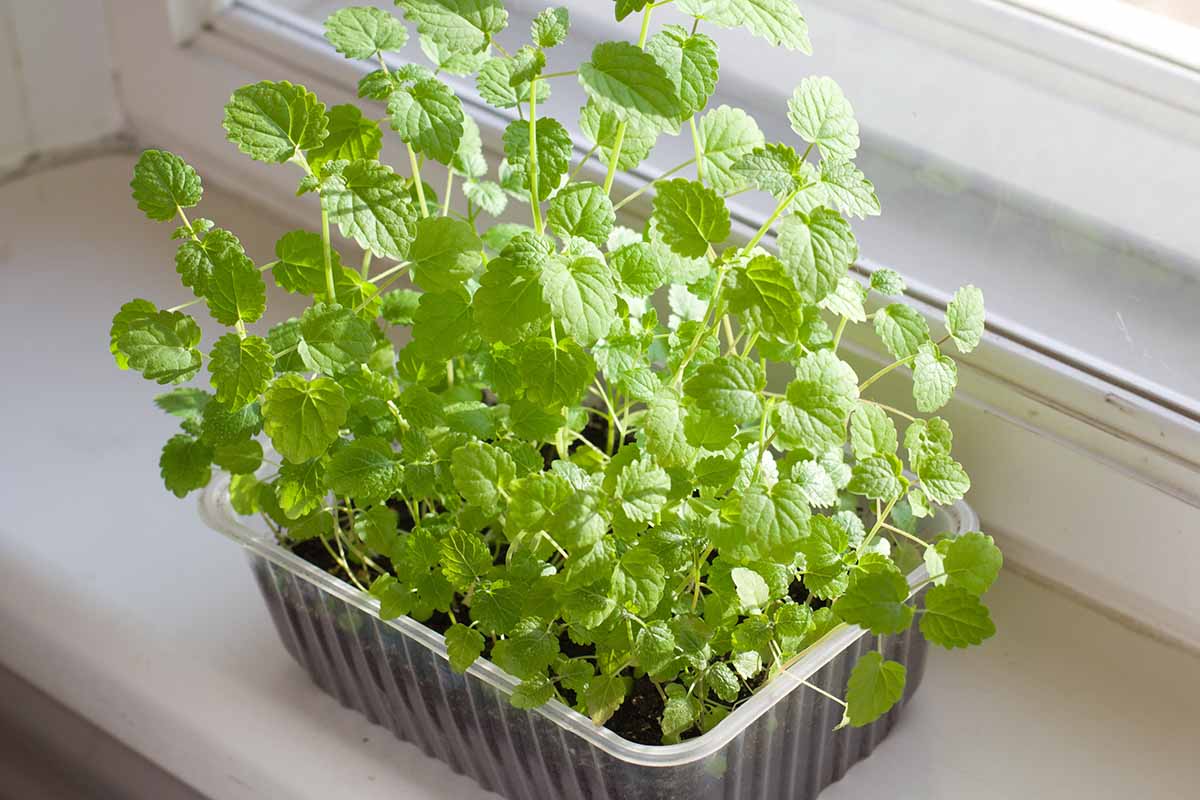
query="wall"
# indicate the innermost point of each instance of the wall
(56, 79)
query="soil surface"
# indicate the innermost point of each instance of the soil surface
(639, 717)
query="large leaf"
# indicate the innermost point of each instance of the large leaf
(273, 121)
(371, 204)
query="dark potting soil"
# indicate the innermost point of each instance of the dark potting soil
(639, 719)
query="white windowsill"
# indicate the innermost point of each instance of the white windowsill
(119, 603)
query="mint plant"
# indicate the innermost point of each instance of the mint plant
(576, 459)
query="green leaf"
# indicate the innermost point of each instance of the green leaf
(488, 195)
(466, 25)
(334, 339)
(772, 525)
(642, 489)
(236, 291)
(638, 581)
(300, 488)
(965, 318)
(876, 477)
(581, 295)
(887, 282)
(508, 304)
(847, 300)
(971, 562)
(627, 81)
(875, 686)
(241, 368)
(555, 376)
(365, 470)
(680, 712)
(495, 86)
(876, 601)
(242, 458)
(351, 137)
(363, 31)
(730, 387)
(445, 253)
(302, 418)
(301, 267)
(163, 184)
(817, 249)
(583, 210)
(443, 327)
(550, 27)
(429, 117)
(195, 261)
(554, 151)
(642, 267)
(600, 125)
(482, 473)
(818, 403)
(773, 168)
(824, 568)
(926, 438)
(604, 696)
(185, 464)
(872, 431)
(272, 122)
(371, 204)
(468, 159)
(954, 617)
(532, 692)
(815, 484)
(465, 559)
(528, 651)
(463, 646)
(134, 313)
(185, 402)
(727, 135)
(690, 216)
(451, 61)
(822, 115)
(902, 329)
(778, 21)
(663, 429)
(944, 479)
(766, 296)
(690, 61)
(752, 591)
(654, 647)
(849, 189)
(627, 7)
(161, 344)
(934, 378)
(221, 425)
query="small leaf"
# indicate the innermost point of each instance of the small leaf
(363, 31)
(872, 431)
(690, 216)
(642, 489)
(605, 695)
(241, 368)
(159, 344)
(465, 559)
(820, 113)
(877, 477)
(481, 472)
(954, 617)
(876, 601)
(971, 562)
(302, 418)
(351, 137)
(875, 686)
(186, 464)
(624, 79)
(902, 329)
(727, 135)
(817, 249)
(429, 117)
(445, 253)
(463, 646)
(934, 378)
(752, 590)
(581, 295)
(334, 339)
(550, 27)
(818, 403)
(371, 204)
(730, 387)
(365, 470)
(272, 122)
(466, 25)
(944, 479)
(163, 184)
(583, 210)
(965, 318)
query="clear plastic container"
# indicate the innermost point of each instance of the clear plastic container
(778, 744)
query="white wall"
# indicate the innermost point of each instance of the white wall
(56, 81)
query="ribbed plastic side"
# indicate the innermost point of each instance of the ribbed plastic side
(791, 751)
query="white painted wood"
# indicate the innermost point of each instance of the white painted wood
(56, 78)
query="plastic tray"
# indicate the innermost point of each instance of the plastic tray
(778, 744)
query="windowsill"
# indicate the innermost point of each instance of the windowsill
(120, 604)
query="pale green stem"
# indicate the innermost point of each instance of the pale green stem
(699, 150)
(619, 139)
(534, 201)
(837, 337)
(906, 535)
(449, 191)
(366, 265)
(327, 248)
(784, 206)
(643, 190)
(416, 175)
